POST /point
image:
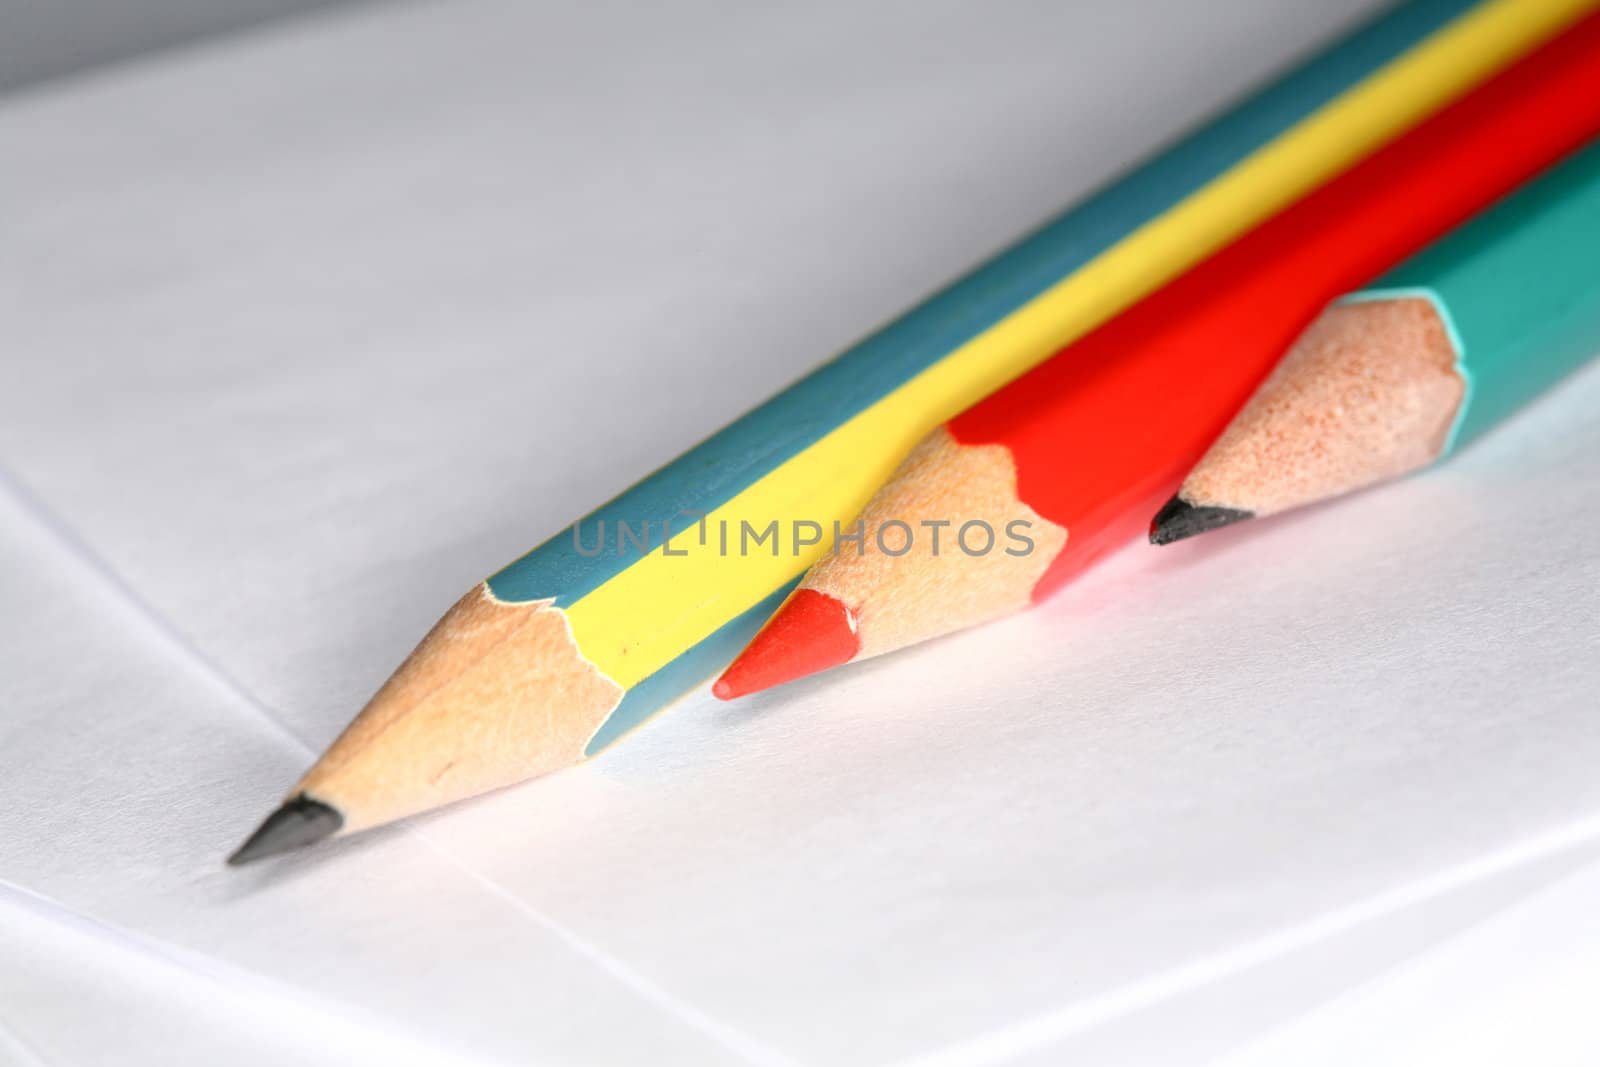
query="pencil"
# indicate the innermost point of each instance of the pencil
(1070, 460)
(1398, 375)
(558, 655)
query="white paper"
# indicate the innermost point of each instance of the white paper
(129, 767)
(304, 335)
(1519, 988)
(76, 991)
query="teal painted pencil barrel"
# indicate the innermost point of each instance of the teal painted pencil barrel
(1519, 290)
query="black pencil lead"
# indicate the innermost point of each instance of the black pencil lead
(1179, 519)
(300, 821)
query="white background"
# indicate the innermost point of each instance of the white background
(302, 334)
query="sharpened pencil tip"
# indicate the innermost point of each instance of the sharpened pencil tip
(1178, 519)
(299, 822)
(811, 632)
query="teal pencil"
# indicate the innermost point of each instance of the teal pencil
(1426, 359)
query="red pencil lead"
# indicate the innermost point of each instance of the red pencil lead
(810, 633)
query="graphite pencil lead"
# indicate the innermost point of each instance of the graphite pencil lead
(1178, 519)
(299, 822)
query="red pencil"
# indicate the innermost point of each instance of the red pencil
(1088, 445)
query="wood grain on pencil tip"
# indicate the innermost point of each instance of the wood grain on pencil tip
(1368, 393)
(1396, 376)
(494, 694)
(857, 604)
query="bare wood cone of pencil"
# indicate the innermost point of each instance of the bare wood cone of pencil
(495, 693)
(1397, 376)
(1368, 394)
